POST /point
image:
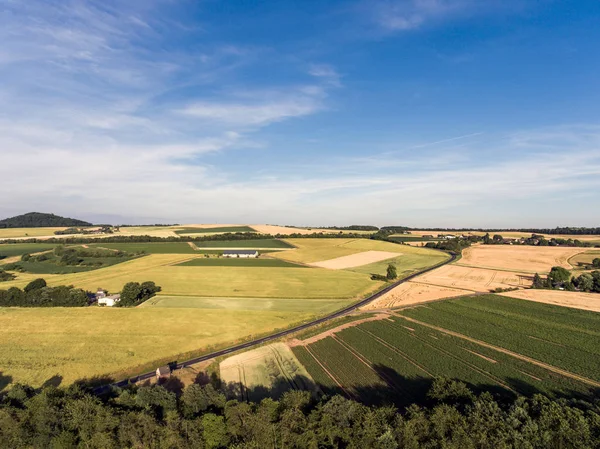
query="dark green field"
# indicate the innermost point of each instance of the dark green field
(256, 243)
(406, 356)
(150, 248)
(18, 249)
(223, 230)
(235, 262)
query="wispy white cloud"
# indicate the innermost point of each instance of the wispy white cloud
(326, 72)
(404, 15)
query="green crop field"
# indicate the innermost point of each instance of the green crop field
(238, 262)
(216, 230)
(407, 356)
(563, 337)
(18, 249)
(37, 344)
(251, 244)
(150, 248)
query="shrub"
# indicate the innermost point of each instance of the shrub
(36, 284)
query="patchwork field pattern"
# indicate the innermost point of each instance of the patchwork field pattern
(559, 351)
(267, 371)
(355, 260)
(474, 279)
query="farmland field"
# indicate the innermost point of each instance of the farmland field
(313, 306)
(406, 264)
(215, 230)
(584, 259)
(528, 259)
(251, 244)
(18, 249)
(406, 355)
(81, 342)
(8, 233)
(150, 248)
(238, 262)
(576, 300)
(219, 281)
(267, 371)
(317, 250)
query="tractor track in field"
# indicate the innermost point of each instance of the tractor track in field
(516, 355)
(250, 344)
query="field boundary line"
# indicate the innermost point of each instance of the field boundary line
(331, 376)
(464, 362)
(362, 358)
(381, 341)
(516, 355)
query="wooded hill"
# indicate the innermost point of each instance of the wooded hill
(39, 220)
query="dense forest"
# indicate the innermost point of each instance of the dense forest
(200, 416)
(39, 220)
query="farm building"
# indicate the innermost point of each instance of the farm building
(240, 253)
(163, 372)
(106, 300)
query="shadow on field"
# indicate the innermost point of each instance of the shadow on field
(54, 381)
(399, 391)
(4, 381)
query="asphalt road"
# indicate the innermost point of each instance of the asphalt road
(276, 335)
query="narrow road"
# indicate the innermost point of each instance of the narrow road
(275, 336)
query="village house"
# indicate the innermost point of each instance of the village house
(106, 300)
(245, 253)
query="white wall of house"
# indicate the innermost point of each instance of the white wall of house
(107, 301)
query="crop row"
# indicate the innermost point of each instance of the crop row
(519, 375)
(524, 338)
(321, 378)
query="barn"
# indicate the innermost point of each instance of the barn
(246, 253)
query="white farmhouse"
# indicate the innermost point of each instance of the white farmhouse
(107, 300)
(245, 253)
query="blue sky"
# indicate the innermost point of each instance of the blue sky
(405, 112)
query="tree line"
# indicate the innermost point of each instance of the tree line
(38, 294)
(200, 416)
(536, 240)
(557, 230)
(560, 278)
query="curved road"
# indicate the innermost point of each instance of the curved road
(275, 336)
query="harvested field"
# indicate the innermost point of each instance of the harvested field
(213, 230)
(316, 250)
(283, 230)
(243, 244)
(9, 233)
(576, 300)
(582, 260)
(355, 260)
(274, 368)
(474, 279)
(527, 259)
(411, 293)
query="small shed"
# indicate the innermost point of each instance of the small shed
(163, 372)
(245, 253)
